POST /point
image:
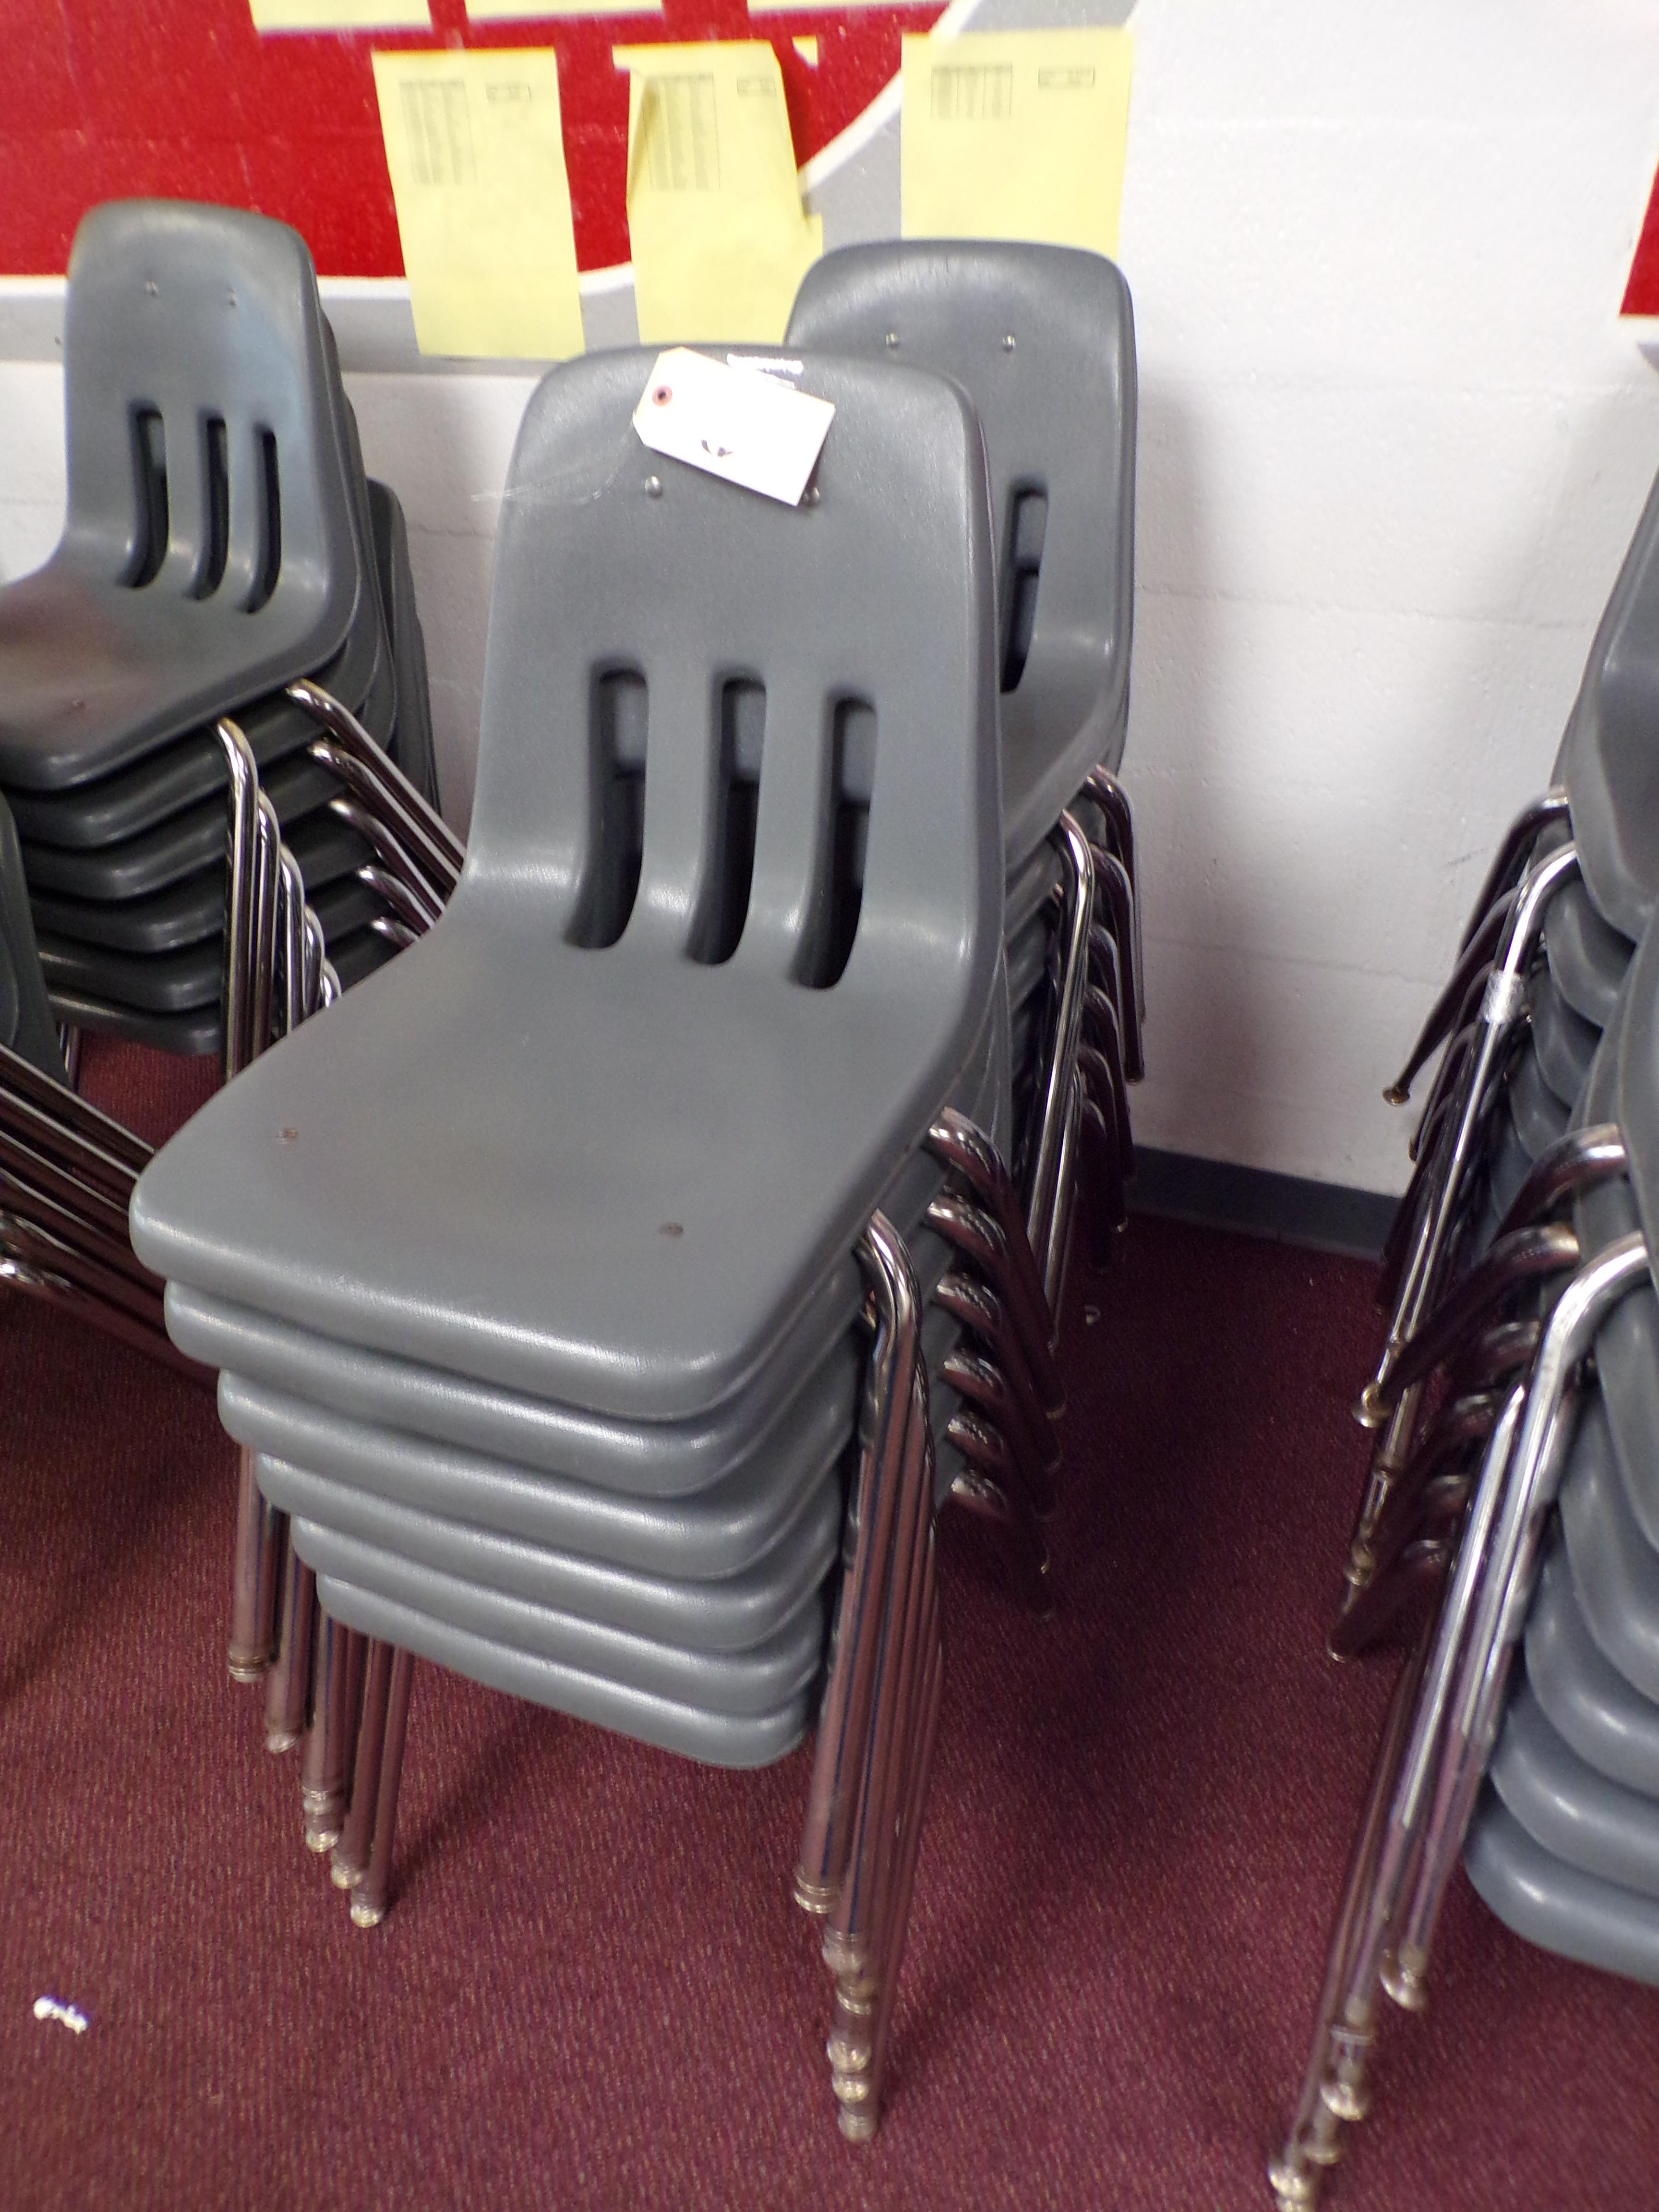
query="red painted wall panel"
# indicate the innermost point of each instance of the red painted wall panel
(1642, 293)
(112, 98)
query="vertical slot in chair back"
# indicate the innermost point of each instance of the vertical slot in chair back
(208, 553)
(803, 698)
(1041, 338)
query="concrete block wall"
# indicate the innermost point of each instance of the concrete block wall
(1393, 441)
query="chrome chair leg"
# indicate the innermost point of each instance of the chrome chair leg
(1578, 1160)
(1495, 1356)
(1442, 1021)
(288, 1682)
(391, 855)
(843, 1718)
(858, 2059)
(1523, 1257)
(1377, 1608)
(1115, 895)
(863, 1800)
(327, 1757)
(241, 898)
(69, 1041)
(394, 893)
(268, 840)
(1100, 1029)
(1106, 972)
(1110, 796)
(1059, 1250)
(291, 939)
(1107, 1205)
(1425, 1137)
(351, 1854)
(1509, 862)
(1499, 1608)
(1500, 1010)
(1516, 1262)
(978, 1237)
(371, 777)
(1387, 1845)
(253, 1586)
(372, 1895)
(981, 1383)
(989, 1488)
(1314, 2139)
(853, 1931)
(1054, 1104)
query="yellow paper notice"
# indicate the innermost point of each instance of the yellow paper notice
(720, 241)
(476, 156)
(1016, 134)
(341, 16)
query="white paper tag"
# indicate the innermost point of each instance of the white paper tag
(756, 431)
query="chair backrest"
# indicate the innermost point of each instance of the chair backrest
(1609, 756)
(205, 461)
(1041, 338)
(718, 728)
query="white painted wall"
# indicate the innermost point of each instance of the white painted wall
(1393, 440)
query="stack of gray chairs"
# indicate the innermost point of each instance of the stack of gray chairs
(220, 542)
(577, 1283)
(1041, 338)
(1565, 1841)
(1546, 949)
(66, 1170)
(1544, 1777)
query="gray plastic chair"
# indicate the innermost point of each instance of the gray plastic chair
(1042, 340)
(219, 544)
(207, 554)
(1041, 337)
(837, 1082)
(712, 1037)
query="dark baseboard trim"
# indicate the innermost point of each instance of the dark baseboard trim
(1327, 1217)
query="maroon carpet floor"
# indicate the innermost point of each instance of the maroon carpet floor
(594, 1989)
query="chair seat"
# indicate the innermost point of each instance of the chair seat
(1604, 1827)
(1615, 1575)
(738, 1684)
(714, 1738)
(1609, 1724)
(126, 648)
(722, 1531)
(1558, 1906)
(732, 1613)
(704, 1143)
